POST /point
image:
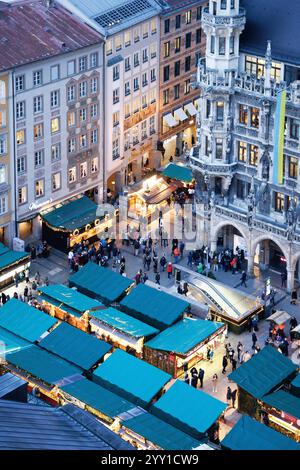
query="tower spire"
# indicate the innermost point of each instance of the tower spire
(268, 69)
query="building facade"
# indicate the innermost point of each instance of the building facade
(239, 201)
(182, 44)
(54, 110)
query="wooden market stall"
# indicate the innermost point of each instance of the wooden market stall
(12, 263)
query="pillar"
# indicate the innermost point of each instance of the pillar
(290, 280)
(250, 265)
(213, 245)
(155, 158)
(137, 169)
(37, 227)
(119, 181)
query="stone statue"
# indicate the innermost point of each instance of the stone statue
(265, 169)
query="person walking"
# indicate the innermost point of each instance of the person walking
(233, 364)
(243, 279)
(187, 379)
(27, 275)
(163, 262)
(215, 383)
(228, 395)
(201, 377)
(157, 278)
(254, 340)
(231, 354)
(283, 279)
(169, 270)
(194, 380)
(145, 277)
(224, 364)
(294, 297)
(137, 278)
(233, 397)
(239, 351)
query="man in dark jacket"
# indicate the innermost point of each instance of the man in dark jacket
(224, 364)
(254, 340)
(201, 377)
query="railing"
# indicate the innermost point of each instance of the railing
(237, 20)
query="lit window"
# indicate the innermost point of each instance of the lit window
(22, 195)
(118, 43)
(279, 202)
(83, 170)
(167, 49)
(243, 114)
(145, 30)
(38, 131)
(55, 127)
(188, 16)
(136, 35)
(293, 167)
(39, 188)
(254, 117)
(242, 151)
(253, 157)
(20, 137)
(72, 174)
(71, 118)
(127, 38)
(153, 27)
(83, 141)
(94, 165)
(3, 117)
(177, 44)
(55, 152)
(56, 181)
(3, 204)
(109, 47)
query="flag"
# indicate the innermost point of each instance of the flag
(279, 123)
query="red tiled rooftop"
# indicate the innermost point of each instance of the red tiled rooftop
(31, 31)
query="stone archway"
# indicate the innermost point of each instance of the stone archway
(216, 230)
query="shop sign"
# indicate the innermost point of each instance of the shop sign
(35, 205)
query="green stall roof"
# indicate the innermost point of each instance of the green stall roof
(9, 257)
(284, 401)
(184, 335)
(10, 342)
(25, 321)
(130, 377)
(65, 297)
(160, 433)
(42, 364)
(154, 307)
(295, 386)
(100, 283)
(74, 214)
(97, 397)
(178, 172)
(263, 372)
(124, 323)
(188, 409)
(76, 346)
(249, 434)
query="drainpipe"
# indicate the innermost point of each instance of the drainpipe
(104, 120)
(15, 156)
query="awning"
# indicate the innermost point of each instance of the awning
(178, 172)
(180, 114)
(8, 257)
(170, 120)
(279, 317)
(162, 196)
(190, 108)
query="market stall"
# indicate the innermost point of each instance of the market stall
(178, 173)
(184, 343)
(12, 263)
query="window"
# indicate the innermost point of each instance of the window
(222, 45)
(127, 88)
(153, 27)
(38, 131)
(219, 149)
(71, 93)
(20, 110)
(197, 58)
(188, 40)
(21, 165)
(82, 114)
(243, 114)
(255, 66)
(212, 44)
(242, 152)
(187, 64)
(118, 43)
(188, 17)
(94, 60)
(145, 30)
(71, 118)
(2, 144)
(144, 130)
(38, 104)
(153, 75)
(136, 35)
(109, 47)
(187, 86)
(199, 13)
(207, 147)
(55, 125)
(39, 188)
(279, 202)
(220, 111)
(94, 136)
(37, 78)
(208, 108)
(177, 68)
(20, 137)
(152, 125)
(54, 72)
(72, 174)
(82, 89)
(293, 167)
(22, 195)
(166, 96)
(3, 117)
(94, 111)
(94, 85)
(144, 101)
(55, 152)
(116, 118)
(94, 165)
(136, 83)
(254, 112)
(145, 79)
(231, 45)
(116, 73)
(83, 170)
(71, 69)
(72, 145)
(153, 51)
(3, 204)
(136, 60)
(167, 26)
(83, 141)
(176, 92)
(232, 4)
(145, 55)
(152, 95)
(240, 187)
(56, 181)
(127, 38)
(127, 64)
(177, 21)
(126, 110)
(253, 157)
(20, 83)
(294, 129)
(166, 73)
(54, 99)
(223, 5)
(82, 64)
(115, 149)
(2, 92)
(198, 36)
(167, 49)
(38, 158)
(177, 44)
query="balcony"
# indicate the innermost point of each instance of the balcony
(213, 20)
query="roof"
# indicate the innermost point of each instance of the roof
(71, 215)
(25, 321)
(43, 32)
(188, 409)
(100, 283)
(97, 397)
(131, 377)
(178, 172)
(284, 401)
(279, 317)
(69, 298)
(273, 20)
(124, 323)
(36, 427)
(153, 306)
(184, 335)
(10, 342)
(169, 6)
(249, 434)
(296, 382)
(42, 364)
(76, 346)
(9, 383)
(160, 433)
(9, 257)
(263, 372)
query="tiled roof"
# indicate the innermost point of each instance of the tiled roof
(31, 31)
